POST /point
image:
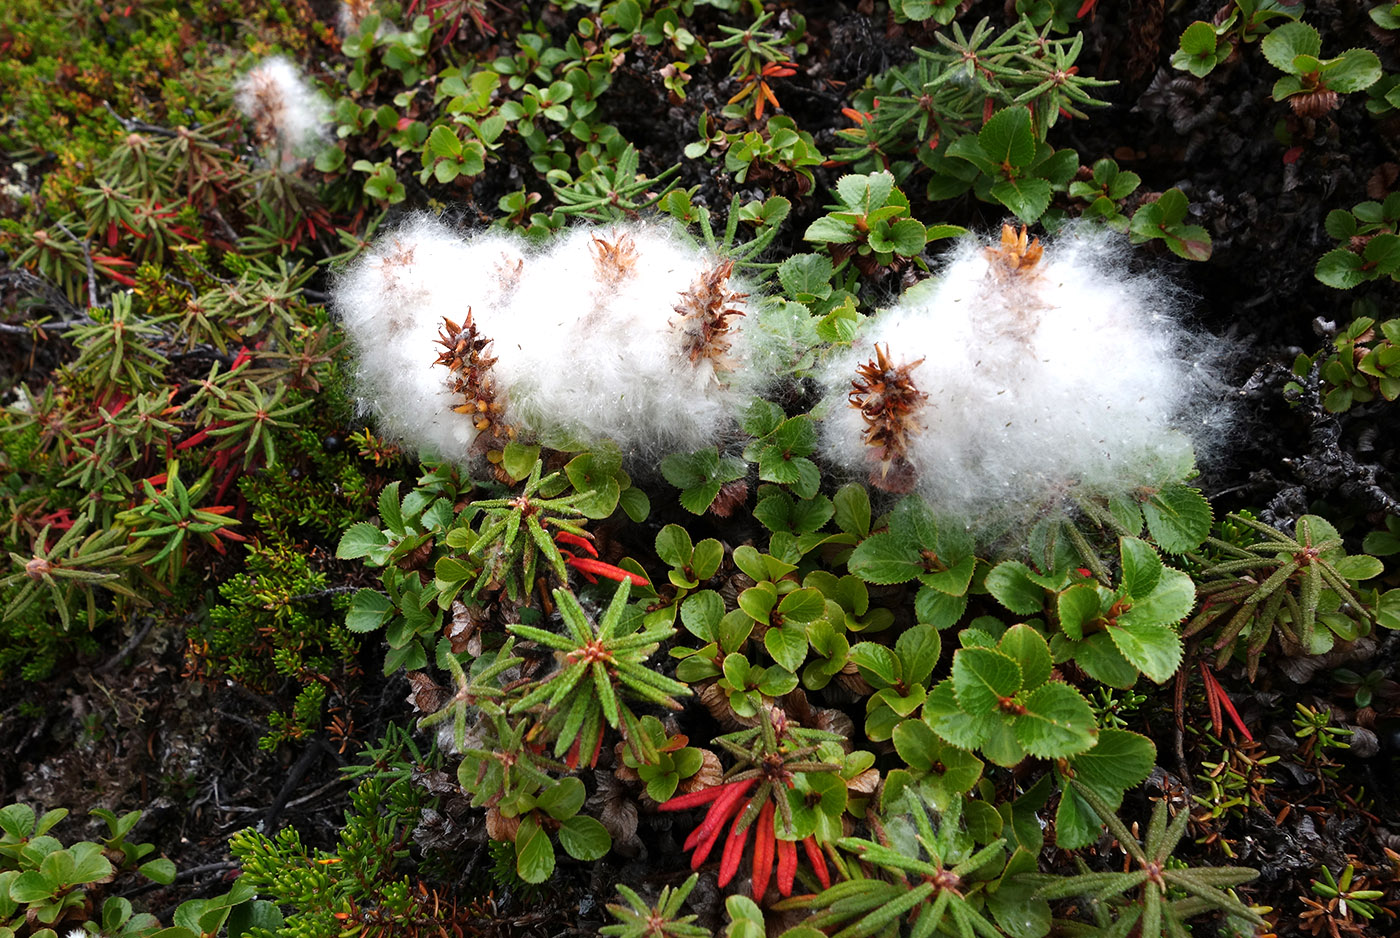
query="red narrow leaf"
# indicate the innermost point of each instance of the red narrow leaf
(564, 537)
(1222, 699)
(1291, 154)
(720, 812)
(787, 866)
(1212, 701)
(693, 799)
(1085, 8)
(763, 851)
(733, 851)
(814, 857)
(195, 440)
(597, 748)
(587, 565)
(571, 759)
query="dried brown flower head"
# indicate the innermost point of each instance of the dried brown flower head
(889, 402)
(706, 308)
(1017, 253)
(465, 356)
(613, 261)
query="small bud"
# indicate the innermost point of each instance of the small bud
(37, 568)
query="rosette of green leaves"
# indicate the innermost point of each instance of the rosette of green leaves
(663, 920)
(1113, 634)
(411, 609)
(601, 666)
(781, 446)
(675, 761)
(931, 877)
(556, 806)
(71, 569)
(1296, 49)
(914, 546)
(1364, 362)
(1104, 190)
(1203, 46)
(1001, 700)
(700, 475)
(1373, 225)
(900, 676)
(873, 218)
(1014, 168)
(1164, 219)
(1273, 581)
(1159, 896)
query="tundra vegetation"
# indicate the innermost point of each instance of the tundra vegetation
(699, 468)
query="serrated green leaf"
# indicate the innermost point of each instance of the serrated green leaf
(1178, 518)
(1010, 582)
(983, 678)
(1027, 648)
(1026, 197)
(1007, 138)
(369, 609)
(359, 540)
(1340, 269)
(1288, 41)
(1078, 606)
(534, 854)
(918, 648)
(1170, 601)
(584, 838)
(1155, 650)
(885, 559)
(1057, 723)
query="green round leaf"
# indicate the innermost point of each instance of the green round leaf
(534, 854)
(584, 838)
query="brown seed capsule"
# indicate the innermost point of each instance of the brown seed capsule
(889, 402)
(706, 308)
(465, 356)
(1017, 253)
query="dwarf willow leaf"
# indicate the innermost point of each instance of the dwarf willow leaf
(1057, 722)
(1013, 587)
(983, 678)
(1178, 518)
(1155, 650)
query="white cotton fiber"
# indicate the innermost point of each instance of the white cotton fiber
(590, 338)
(1069, 373)
(287, 113)
(609, 351)
(393, 301)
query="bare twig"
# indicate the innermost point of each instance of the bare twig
(131, 125)
(112, 663)
(87, 259)
(39, 288)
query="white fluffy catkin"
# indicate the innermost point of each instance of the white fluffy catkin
(591, 337)
(1072, 372)
(607, 351)
(393, 301)
(287, 113)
